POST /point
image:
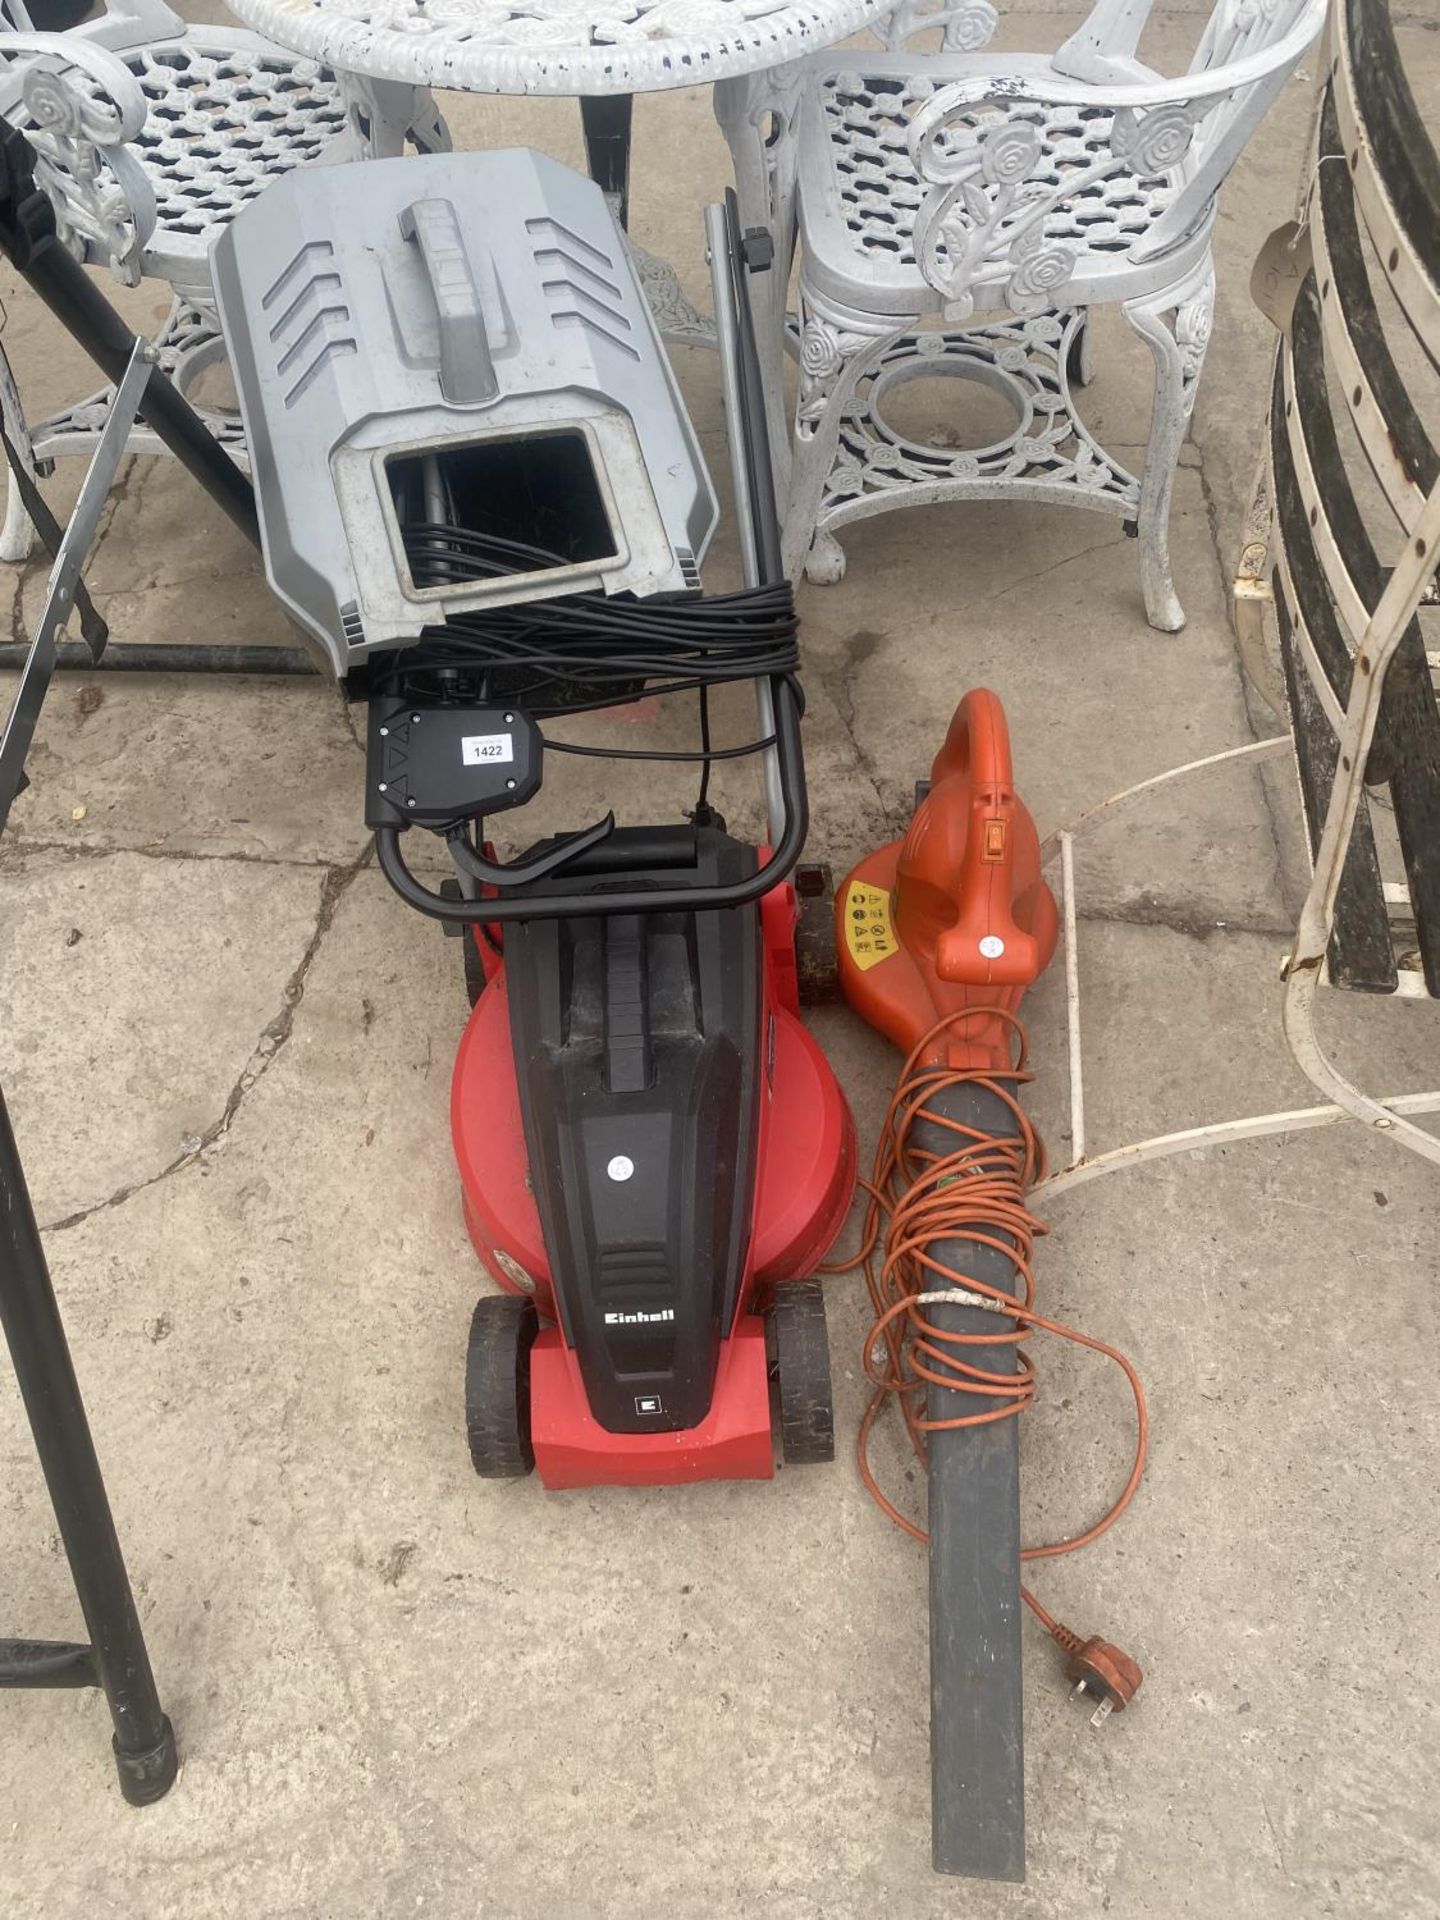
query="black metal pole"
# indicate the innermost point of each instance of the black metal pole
(753, 425)
(27, 238)
(606, 120)
(144, 1739)
(145, 656)
(977, 1753)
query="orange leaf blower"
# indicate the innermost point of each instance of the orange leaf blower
(939, 935)
(956, 915)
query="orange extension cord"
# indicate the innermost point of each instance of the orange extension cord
(976, 1193)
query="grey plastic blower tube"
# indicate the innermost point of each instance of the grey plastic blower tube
(977, 1754)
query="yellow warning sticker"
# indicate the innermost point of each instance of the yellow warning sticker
(868, 932)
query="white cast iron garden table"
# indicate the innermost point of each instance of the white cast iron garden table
(602, 52)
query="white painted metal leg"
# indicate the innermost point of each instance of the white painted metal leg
(428, 130)
(1179, 355)
(836, 351)
(1072, 997)
(1252, 750)
(1258, 1126)
(1389, 1115)
(17, 536)
(826, 383)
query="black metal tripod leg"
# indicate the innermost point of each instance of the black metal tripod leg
(51, 534)
(144, 1739)
(606, 120)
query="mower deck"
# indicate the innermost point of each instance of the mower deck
(804, 1176)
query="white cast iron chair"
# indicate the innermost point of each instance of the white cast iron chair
(1028, 187)
(150, 136)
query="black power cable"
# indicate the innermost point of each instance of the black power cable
(706, 753)
(588, 651)
(573, 653)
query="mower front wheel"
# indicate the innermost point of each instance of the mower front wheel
(497, 1387)
(800, 1368)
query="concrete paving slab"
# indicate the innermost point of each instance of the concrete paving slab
(223, 768)
(1098, 700)
(134, 995)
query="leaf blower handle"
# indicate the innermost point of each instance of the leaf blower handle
(986, 946)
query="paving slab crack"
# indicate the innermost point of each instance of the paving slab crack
(836, 682)
(15, 850)
(1028, 579)
(1197, 925)
(271, 1043)
(161, 582)
(357, 725)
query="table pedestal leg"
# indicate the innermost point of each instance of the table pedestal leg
(387, 116)
(606, 119)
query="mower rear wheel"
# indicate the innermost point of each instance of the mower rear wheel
(800, 1368)
(497, 1387)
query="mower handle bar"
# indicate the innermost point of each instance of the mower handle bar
(678, 899)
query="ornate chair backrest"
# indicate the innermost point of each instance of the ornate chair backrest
(1239, 34)
(1104, 47)
(79, 104)
(975, 144)
(967, 24)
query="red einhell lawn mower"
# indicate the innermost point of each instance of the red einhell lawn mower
(480, 494)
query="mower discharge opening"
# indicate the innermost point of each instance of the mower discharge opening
(534, 499)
